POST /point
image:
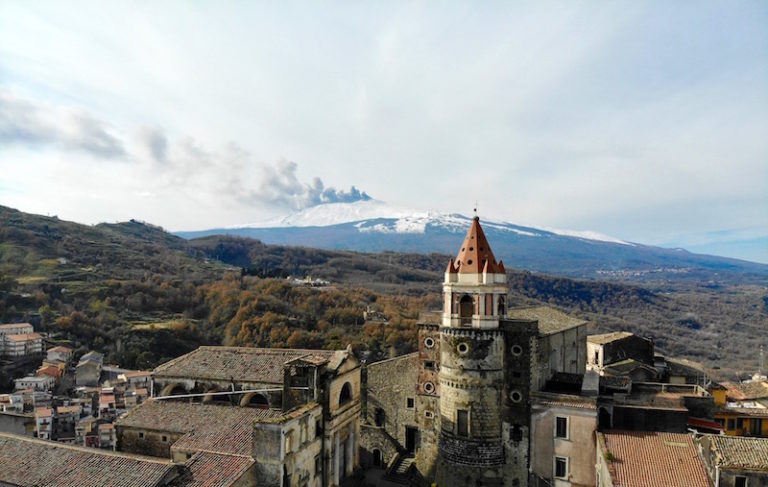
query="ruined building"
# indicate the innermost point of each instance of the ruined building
(460, 407)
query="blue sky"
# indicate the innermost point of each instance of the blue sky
(643, 120)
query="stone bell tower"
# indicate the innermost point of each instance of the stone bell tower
(471, 375)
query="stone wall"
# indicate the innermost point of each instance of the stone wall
(390, 385)
(145, 442)
(376, 438)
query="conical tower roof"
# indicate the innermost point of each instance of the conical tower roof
(476, 256)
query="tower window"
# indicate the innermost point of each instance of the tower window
(466, 309)
(429, 365)
(429, 387)
(409, 403)
(462, 422)
(516, 396)
(517, 350)
(429, 342)
(463, 348)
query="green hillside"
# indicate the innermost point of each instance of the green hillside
(143, 296)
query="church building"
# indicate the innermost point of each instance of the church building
(458, 411)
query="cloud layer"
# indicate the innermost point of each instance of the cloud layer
(23, 121)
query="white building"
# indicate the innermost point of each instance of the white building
(37, 383)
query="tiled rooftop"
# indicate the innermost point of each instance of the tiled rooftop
(256, 365)
(60, 349)
(216, 470)
(210, 427)
(550, 320)
(11, 326)
(28, 462)
(747, 390)
(24, 337)
(604, 338)
(653, 459)
(739, 452)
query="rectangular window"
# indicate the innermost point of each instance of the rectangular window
(740, 423)
(288, 445)
(739, 482)
(409, 403)
(462, 422)
(755, 427)
(141, 435)
(317, 465)
(731, 424)
(561, 467)
(561, 427)
(429, 365)
(165, 439)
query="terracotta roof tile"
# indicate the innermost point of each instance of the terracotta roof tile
(216, 470)
(476, 256)
(746, 390)
(255, 365)
(653, 459)
(28, 462)
(23, 337)
(60, 349)
(604, 338)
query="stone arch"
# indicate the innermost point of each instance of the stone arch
(173, 389)
(466, 308)
(255, 399)
(346, 394)
(210, 397)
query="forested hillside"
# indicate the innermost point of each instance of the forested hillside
(143, 296)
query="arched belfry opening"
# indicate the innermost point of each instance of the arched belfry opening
(346, 394)
(502, 306)
(466, 309)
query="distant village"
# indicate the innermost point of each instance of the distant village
(494, 396)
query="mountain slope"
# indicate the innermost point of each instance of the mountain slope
(373, 227)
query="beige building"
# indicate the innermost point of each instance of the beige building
(563, 440)
(294, 412)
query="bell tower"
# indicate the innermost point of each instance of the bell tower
(471, 374)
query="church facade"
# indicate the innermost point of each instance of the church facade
(460, 408)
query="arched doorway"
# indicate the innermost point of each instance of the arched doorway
(466, 309)
(377, 458)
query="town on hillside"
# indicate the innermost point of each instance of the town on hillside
(495, 396)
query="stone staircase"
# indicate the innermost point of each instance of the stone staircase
(400, 472)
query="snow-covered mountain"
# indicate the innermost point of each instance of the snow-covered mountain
(374, 226)
(367, 216)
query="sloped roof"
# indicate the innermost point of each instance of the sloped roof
(653, 459)
(476, 256)
(604, 338)
(211, 427)
(60, 349)
(216, 470)
(746, 390)
(29, 462)
(243, 364)
(11, 326)
(23, 337)
(739, 452)
(550, 319)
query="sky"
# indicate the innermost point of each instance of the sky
(644, 120)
